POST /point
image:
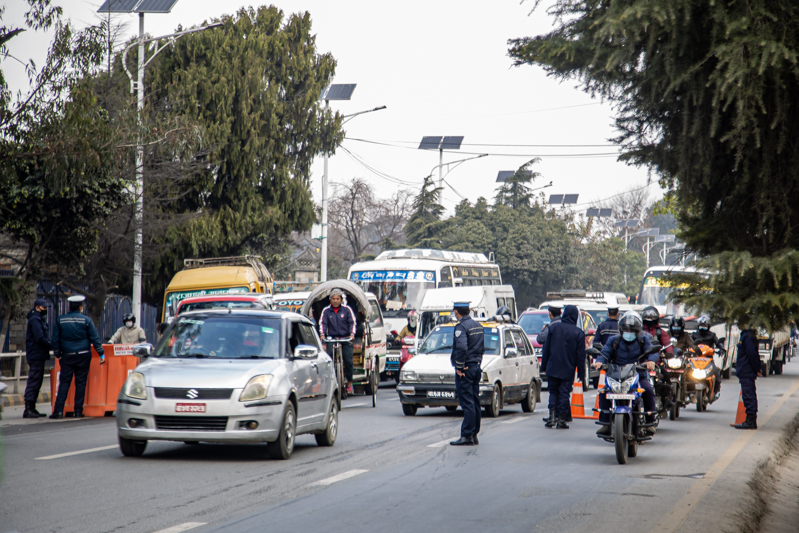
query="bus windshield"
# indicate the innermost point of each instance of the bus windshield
(655, 290)
(396, 291)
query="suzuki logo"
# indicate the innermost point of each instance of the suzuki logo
(441, 377)
(192, 393)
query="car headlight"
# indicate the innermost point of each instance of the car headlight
(674, 362)
(698, 373)
(408, 375)
(135, 387)
(257, 388)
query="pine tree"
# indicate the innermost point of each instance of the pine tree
(424, 227)
(516, 191)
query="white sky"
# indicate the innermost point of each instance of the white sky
(441, 68)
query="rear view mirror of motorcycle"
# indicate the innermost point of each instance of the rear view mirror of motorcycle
(673, 341)
(723, 340)
(598, 346)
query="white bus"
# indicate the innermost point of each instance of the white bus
(655, 290)
(400, 278)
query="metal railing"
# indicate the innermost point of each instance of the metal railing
(17, 377)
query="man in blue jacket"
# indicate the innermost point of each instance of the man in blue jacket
(554, 318)
(747, 368)
(73, 337)
(468, 347)
(564, 350)
(338, 321)
(37, 352)
(628, 349)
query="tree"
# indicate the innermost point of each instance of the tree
(707, 94)
(515, 192)
(424, 225)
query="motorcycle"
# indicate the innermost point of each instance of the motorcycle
(627, 415)
(673, 368)
(664, 394)
(700, 381)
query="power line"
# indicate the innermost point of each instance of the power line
(585, 155)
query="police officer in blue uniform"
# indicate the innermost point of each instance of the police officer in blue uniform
(37, 352)
(609, 327)
(554, 318)
(747, 368)
(73, 336)
(468, 348)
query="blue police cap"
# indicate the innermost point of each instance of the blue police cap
(40, 302)
(462, 304)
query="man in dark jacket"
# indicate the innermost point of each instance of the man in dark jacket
(609, 327)
(703, 335)
(468, 347)
(564, 350)
(37, 352)
(554, 318)
(747, 368)
(73, 339)
(338, 321)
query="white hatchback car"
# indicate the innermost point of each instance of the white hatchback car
(510, 371)
(231, 376)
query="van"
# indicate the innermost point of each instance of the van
(437, 304)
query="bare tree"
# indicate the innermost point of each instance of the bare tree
(633, 204)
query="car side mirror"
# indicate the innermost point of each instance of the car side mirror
(511, 352)
(143, 350)
(306, 351)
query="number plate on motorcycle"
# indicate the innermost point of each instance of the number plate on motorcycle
(620, 396)
(441, 394)
(190, 408)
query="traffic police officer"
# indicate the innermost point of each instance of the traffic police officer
(554, 318)
(747, 368)
(563, 352)
(467, 355)
(609, 327)
(73, 338)
(37, 352)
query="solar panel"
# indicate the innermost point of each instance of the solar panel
(620, 224)
(503, 175)
(649, 232)
(430, 143)
(555, 199)
(452, 143)
(118, 6)
(570, 198)
(665, 238)
(339, 91)
(593, 212)
(155, 6)
(606, 212)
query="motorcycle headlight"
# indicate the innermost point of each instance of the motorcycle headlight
(257, 388)
(134, 386)
(615, 386)
(674, 362)
(628, 384)
(699, 373)
(408, 375)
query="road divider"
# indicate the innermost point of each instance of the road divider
(79, 452)
(340, 477)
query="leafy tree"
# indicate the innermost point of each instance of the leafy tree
(516, 192)
(424, 226)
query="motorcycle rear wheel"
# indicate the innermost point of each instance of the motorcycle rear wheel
(620, 441)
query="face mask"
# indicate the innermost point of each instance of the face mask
(43, 312)
(129, 324)
(628, 336)
(412, 322)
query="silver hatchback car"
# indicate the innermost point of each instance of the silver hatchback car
(231, 376)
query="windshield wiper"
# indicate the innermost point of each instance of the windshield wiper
(197, 355)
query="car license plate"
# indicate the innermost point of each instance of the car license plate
(621, 396)
(189, 407)
(440, 394)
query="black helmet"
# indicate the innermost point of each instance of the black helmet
(703, 322)
(129, 317)
(676, 324)
(504, 311)
(631, 322)
(650, 314)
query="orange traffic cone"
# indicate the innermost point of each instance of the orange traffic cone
(577, 405)
(740, 416)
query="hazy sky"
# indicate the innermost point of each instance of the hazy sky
(441, 68)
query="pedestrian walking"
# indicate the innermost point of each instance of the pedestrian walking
(747, 368)
(554, 318)
(37, 352)
(73, 337)
(468, 347)
(564, 350)
(129, 333)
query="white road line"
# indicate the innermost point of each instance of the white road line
(181, 527)
(79, 452)
(441, 444)
(514, 420)
(340, 477)
(353, 405)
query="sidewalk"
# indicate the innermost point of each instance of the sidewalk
(11, 415)
(8, 403)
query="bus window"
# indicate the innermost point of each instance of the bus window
(445, 277)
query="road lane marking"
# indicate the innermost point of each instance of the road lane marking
(353, 405)
(514, 420)
(690, 501)
(79, 452)
(340, 477)
(181, 527)
(441, 444)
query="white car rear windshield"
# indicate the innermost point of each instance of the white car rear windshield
(222, 337)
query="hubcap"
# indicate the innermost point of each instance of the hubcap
(333, 420)
(290, 431)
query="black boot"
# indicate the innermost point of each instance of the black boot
(552, 420)
(30, 411)
(604, 431)
(561, 423)
(78, 414)
(749, 423)
(56, 415)
(568, 417)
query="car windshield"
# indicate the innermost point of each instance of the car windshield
(222, 337)
(440, 341)
(533, 323)
(219, 304)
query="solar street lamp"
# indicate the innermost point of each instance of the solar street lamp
(563, 199)
(441, 143)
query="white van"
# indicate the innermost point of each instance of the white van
(437, 304)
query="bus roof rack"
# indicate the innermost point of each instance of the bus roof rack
(254, 261)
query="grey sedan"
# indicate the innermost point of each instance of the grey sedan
(237, 376)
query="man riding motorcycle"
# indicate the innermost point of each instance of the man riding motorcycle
(410, 329)
(627, 349)
(677, 330)
(703, 335)
(650, 316)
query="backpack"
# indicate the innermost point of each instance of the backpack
(617, 340)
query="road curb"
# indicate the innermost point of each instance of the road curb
(14, 400)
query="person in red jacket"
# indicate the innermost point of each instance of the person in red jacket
(660, 336)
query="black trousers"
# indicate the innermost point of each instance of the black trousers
(35, 378)
(560, 394)
(749, 395)
(77, 365)
(346, 356)
(468, 390)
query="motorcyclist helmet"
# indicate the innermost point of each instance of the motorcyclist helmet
(129, 320)
(650, 315)
(630, 326)
(703, 324)
(412, 318)
(676, 326)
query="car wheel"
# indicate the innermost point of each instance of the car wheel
(495, 406)
(284, 445)
(528, 404)
(451, 408)
(329, 436)
(132, 448)
(409, 409)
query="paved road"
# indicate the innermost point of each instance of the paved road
(391, 472)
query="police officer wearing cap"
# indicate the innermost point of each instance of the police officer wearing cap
(609, 327)
(554, 318)
(73, 336)
(467, 354)
(37, 352)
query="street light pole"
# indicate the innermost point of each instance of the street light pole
(138, 188)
